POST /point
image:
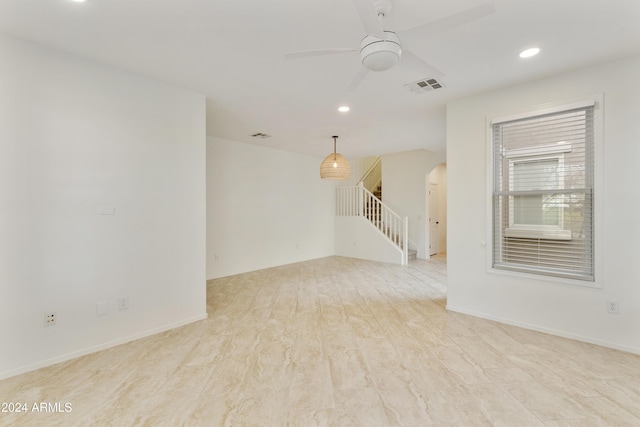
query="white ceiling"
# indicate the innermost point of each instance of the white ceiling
(232, 51)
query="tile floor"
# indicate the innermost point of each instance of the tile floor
(337, 342)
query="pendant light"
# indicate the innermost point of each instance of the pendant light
(335, 166)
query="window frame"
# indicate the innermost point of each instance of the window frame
(597, 102)
(532, 154)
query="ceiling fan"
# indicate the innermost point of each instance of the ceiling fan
(381, 49)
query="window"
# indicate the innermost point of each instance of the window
(536, 209)
(543, 193)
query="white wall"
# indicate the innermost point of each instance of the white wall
(357, 237)
(563, 309)
(359, 166)
(404, 190)
(265, 207)
(76, 136)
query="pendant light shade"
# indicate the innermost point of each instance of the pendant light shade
(335, 166)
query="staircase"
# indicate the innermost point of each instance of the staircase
(378, 191)
(362, 218)
(358, 202)
(369, 213)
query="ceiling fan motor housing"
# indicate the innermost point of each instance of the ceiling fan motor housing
(380, 54)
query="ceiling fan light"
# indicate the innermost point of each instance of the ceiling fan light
(378, 54)
(380, 61)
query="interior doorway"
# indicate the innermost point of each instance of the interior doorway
(436, 221)
(433, 219)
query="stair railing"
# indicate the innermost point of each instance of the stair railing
(358, 201)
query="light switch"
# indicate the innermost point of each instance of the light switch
(123, 303)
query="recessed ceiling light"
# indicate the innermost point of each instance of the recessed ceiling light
(78, 1)
(343, 109)
(528, 53)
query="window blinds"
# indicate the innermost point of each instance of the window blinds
(543, 193)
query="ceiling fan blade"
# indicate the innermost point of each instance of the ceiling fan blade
(369, 18)
(357, 79)
(317, 52)
(448, 22)
(409, 59)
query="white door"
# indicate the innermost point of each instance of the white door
(433, 219)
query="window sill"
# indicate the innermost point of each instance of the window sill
(550, 278)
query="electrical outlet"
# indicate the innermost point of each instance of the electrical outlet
(50, 319)
(123, 303)
(613, 307)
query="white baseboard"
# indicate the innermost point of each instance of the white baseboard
(99, 347)
(545, 330)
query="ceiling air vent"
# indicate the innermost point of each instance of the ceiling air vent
(424, 85)
(260, 135)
